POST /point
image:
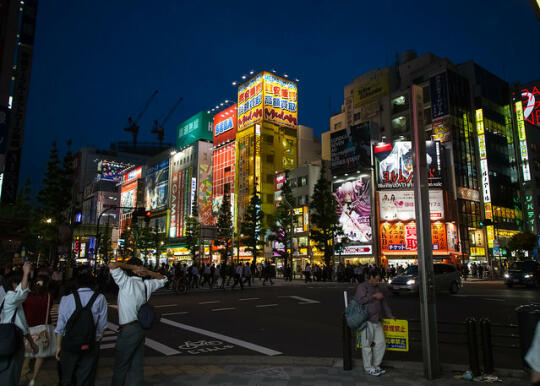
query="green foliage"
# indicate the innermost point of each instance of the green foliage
(325, 227)
(282, 224)
(523, 241)
(252, 226)
(193, 232)
(225, 229)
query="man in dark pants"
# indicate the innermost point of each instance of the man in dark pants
(239, 272)
(81, 366)
(132, 294)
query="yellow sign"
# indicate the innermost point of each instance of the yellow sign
(396, 334)
(370, 89)
(490, 230)
(267, 97)
(478, 251)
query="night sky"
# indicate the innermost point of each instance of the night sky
(96, 62)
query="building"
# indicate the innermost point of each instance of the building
(467, 114)
(309, 146)
(266, 139)
(17, 28)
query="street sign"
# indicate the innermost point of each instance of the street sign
(396, 334)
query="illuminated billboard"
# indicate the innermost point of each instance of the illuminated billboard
(399, 205)
(133, 174)
(523, 147)
(181, 190)
(128, 197)
(157, 185)
(394, 162)
(204, 194)
(401, 236)
(486, 191)
(531, 105)
(350, 148)
(225, 125)
(198, 127)
(354, 209)
(267, 97)
(375, 86)
(111, 170)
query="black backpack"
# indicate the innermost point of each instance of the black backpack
(147, 315)
(11, 336)
(80, 333)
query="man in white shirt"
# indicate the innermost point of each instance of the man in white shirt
(238, 273)
(132, 294)
(82, 365)
(16, 291)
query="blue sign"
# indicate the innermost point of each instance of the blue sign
(224, 126)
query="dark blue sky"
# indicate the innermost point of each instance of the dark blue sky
(96, 62)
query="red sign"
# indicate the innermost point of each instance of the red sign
(531, 105)
(133, 174)
(225, 125)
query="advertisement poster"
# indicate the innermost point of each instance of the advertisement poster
(399, 205)
(204, 194)
(350, 148)
(250, 98)
(401, 236)
(111, 170)
(225, 125)
(371, 88)
(396, 335)
(128, 197)
(133, 174)
(439, 95)
(394, 163)
(451, 237)
(157, 185)
(175, 203)
(441, 131)
(354, 209)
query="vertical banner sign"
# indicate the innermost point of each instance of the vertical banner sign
(174, 204)
(258, 155)
(439, 96)
(483, 164)
(524, 154)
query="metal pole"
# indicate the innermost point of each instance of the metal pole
(347, 349)
(472, 346)
(428, 311)
(487, 347)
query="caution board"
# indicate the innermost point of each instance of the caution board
(396, 334)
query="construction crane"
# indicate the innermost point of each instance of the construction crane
(132, 125)
(158, 127)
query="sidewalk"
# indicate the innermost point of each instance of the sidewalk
(281, 370)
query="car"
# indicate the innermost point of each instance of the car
(523, 273)
(447, 278)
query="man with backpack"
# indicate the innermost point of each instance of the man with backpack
(373, 297)
(133, 293)
(82, 318)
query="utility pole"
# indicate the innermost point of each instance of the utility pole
(428, 310)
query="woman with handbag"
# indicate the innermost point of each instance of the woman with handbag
(13, 327)
(37, 308)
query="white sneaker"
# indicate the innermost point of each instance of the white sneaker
(381, 371)
(374, 372)
(31, 383)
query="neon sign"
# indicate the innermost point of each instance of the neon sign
(531, 101)
(483, 163)
(524, 154)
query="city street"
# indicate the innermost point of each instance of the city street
(295, 319)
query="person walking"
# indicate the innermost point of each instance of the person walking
(239, 271)
(267, 273)
(373, 297)
(247, 274)
(78, 352)
(135, 286)
(11, 311)
(307, 273)
(37, 309)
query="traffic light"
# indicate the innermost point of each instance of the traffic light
(485, 222)
(147, 217)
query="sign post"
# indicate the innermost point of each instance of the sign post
(428, 310)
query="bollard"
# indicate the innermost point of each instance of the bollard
(347, 347)
(487, 347)
(472, 346)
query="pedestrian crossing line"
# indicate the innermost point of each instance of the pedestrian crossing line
(225, 338)
(107, 346)
(166, 305)
(211, 302)
(108, 332)
(108, 338)
(223, 309)
(175, 313)
(154, 345)
(246, 299)
(266, 305)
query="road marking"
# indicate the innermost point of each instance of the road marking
(166, 305)
(108, 332)
(242, 300)
(302, 300)
(106, 346)
(496, 300)
(266, 305)
(211, 302)
(237, 342)
(223, 309)
(175, 313)
(108, 338)
(166, 350)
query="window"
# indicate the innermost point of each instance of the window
(337, 126)
(269, 178)
(270, 158)
(356, 117)
(268, 138)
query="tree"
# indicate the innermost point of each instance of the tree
(282, 223)
(225, 228)
(51, 193)
(252, 226)
(193, 232)
(523, 241)
(325, 227)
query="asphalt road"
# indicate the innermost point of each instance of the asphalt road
(305, 320)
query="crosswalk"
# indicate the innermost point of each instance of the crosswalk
(109, 339)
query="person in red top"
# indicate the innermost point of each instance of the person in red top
(37, 308)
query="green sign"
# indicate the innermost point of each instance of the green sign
(193, 129)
